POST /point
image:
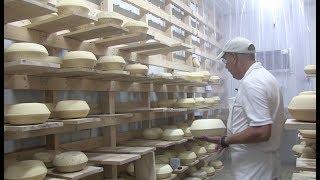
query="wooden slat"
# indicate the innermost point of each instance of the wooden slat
(124, 39)
(62, 22)
(77, 121)
(306, 164)
(89, 170)
(123, 149)
(100, 31)
(301, 176)
(165, 50)
(24, 128)
(152, 143)
(16, 10)
(294, 124)
(29, 67)
(111, 159)
(143, 46)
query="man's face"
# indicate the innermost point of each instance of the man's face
(231, 62)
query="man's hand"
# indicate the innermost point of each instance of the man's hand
(214, 139)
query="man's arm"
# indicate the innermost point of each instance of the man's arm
(253, 134)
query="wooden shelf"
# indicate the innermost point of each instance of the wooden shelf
(181, 171)
(134, 47)
(306, 164)
(299, 176)
(29, 67)
(89, 170)
(58, 23)
(25, 128)
(165, 50)
(16, 10)
(152, 143)
(123, 149)
(124, 39)
(294, 124)
(193, 163)
(111, 159)
(100, 31)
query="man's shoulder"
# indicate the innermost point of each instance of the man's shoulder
(259, 76)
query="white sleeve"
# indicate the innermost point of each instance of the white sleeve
(256, 105)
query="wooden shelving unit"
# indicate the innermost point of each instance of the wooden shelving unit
(89, 170)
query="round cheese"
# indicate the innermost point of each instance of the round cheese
(25, 51)
(310, 69)
(42, 18)
(136, 26)
(186, 103)
(206, 75)
(162, 159)
(308, 152)
(46, 157)
(69, 109)
(71, 161)
(107, 63)
(26, 170)
(72, 7)
(308, 93)
(298, 148)
(308, 133)
(53, 59)
(207, 127)
(200, 174)
(212, 101)
(199, 150)
(209, 170)
(152, 133)
(130, 169)
(216, 164)
(163, 171)
(111, 18)
(172, 134)
(199, 101)
(187, 157)
(303, 107)
(196, 62)
(195, 77)
(27, 113)
(210, 147)
(82, 59)
(180, 75)
(137, 69)
(214, 79)
(167, 103)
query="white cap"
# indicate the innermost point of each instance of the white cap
(238, 45)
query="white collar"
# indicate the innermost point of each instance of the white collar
(255, 65)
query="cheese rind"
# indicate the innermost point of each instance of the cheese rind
(172, 134)
(207, 127)
(70, 161)
(163, 171)
(80, 59)
(107, 63)
(303, 107)
(111, 18)
(136, 26)
(72, 6)
(187, 157)
(69, 109)
(25, 51)
(137, 69)
(46, 157)
(26, 170)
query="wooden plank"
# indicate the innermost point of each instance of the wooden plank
(152, 143)
(124, 39)
(62, 22)
(100, 31)
(143, 46)
(16, 10)
(77, 120)
(294, 124)
(307, 176)
(29, 67)
(145, 167)
(306, 164)
(165, 50)
(123, 149)
(25, 128)
(89, 170)
(111, 159)
(72, 72)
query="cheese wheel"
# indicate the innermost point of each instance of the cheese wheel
(137, 69)
(180, 75)
(207, 127)
(70, 161)
(72, 7)
(195, 77)
(310, 69)
(81, 59)
(199, 101)
(187, 157)
(53, 59)
(199, 150)
(69, 109)
(111, 18)
(308, 133)
(307, 93)
(167, 103)
(308, 153)
(27, 113)
(46, 157)
(185, 103)
(210, 147)
(172, 134)
(209, 169)
(152, 133)
(107, 63)
(26, 170)
(196, 62)
(303, 107)
(163, 171)
(25, 51)
(298, 148)
(42, 18)
(162, 159)
(191, 178)
(212, 101)
(214, 79)
(186, 131)
(130, 169)
(206, 75)
(200, 174)
(216, 164)
(136, 26)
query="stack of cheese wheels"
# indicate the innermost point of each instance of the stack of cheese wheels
(130, 169)
(208, 127)
(110, 18)
(167, 103)
(163, 171)
(310, 69)
(137, 69)
(172, 134)
(81, 59)
(206, 75)
(216, 164)
(199, 101)
(72, 7)
(71, 161)
(136, 26)
(185, 103)
(303, 106)
(195, 77)
(152, 133)
(196, 62)
(26, 170)
(212, 101)
(187, 157)
(53, 59)
(214, 79)
(69, 109)
(46, 157)
(209, 169)
(180, 75)
(25, 51)
(42, 18)
(199, 150)
(107, 63)
(162, 159)
(27, 113)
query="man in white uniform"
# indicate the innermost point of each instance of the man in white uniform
(256, 119)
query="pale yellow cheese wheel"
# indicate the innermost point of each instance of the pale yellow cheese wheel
(216, 164)
(212, 101)
(110, 18)
(214, 79)
(107, 63)
(298, 148)
(308, 133)
(208, 127)
(186, 131)
(137, 69)
(152, 133)
(46, 157)
(70, 161)
(42, 18)
(210, 147)
(69, 109)
(172, 134)
(82, 59)
(162, 159)
(303, 107)
(199, 150)
(199, 101)
(310, 69)
(167, 103)
(136, 26)
(180, 75)
(187, 157)
(72, 6)
(206, 75)
(186, 103)
(195, 77)
(163, 171)
(27, 113)
(26, 170)
(53, 59)
(25, 51)
(209, 169)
